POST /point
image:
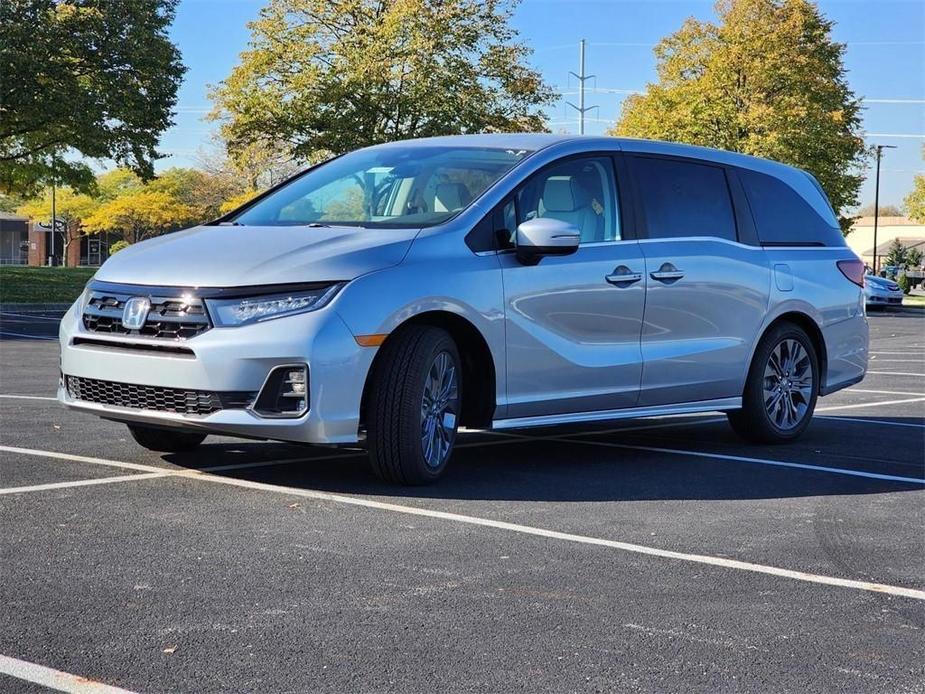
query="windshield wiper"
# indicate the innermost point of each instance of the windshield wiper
(230, 224)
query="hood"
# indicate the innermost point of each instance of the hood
(881, 282)
(234, 256)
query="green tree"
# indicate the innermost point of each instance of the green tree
(98, 78)
(897, 255)
(328, 76)
(71, 208)
(766, 80)
(141, 214)
(914, 258)
(915, 200)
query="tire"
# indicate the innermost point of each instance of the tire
(165, 440)
(775, 408)
(406, 409)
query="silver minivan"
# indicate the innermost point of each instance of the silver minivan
(392, 295)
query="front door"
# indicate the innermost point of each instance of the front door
(573, 323)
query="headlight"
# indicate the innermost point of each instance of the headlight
(229, 312)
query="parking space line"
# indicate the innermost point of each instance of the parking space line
(872, 421)
(30, 337)
(30, 316)
(900, 361)
(54, 679)
(881, 392)
(27, 397)
(84, 483)
(82, 459)
(895, 373)
(869, 404)
(570, 537)
(757, 461)
(525, 529)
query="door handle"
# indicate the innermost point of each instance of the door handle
(667, 273)
(622, 276)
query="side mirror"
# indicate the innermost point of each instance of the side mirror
(544, 236)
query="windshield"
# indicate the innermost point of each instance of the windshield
(389, 187)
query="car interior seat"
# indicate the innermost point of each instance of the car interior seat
(565, 199)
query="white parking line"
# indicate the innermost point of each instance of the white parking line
(82, 459)
(31, 337)
(869, 404)
(84, 483)
(29, 316)
(900, 361)
(872, 421)
(895, 373)
(54, 679)
(27, 397)
(881, 392)
(757, 461)
(525, 529)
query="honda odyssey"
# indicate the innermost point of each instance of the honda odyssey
(392, 295)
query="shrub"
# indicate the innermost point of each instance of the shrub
(904, 283)
(117, 246)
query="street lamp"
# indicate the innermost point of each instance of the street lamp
(880, 149)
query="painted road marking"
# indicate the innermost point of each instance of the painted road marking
(54, 679)
(872, 421)
(30, 337)
(757, 461)
(869, 404)
(895, 373)
(30, 316)
(531, 530)
(28, 397)
(83, 483)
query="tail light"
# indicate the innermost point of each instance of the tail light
(853, 270)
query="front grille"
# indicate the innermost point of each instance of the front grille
(171, 318)
(155, 398)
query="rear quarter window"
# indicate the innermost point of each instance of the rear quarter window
(684, 198)
(783, 217)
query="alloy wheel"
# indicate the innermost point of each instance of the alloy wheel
(788, 384)
(439, 408)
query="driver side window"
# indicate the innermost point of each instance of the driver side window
(580, 191)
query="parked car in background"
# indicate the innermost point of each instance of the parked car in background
(390, 295)
(880, 291)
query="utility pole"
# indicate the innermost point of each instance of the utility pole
(582, 78)
(880, 149)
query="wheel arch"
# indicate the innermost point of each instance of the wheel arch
(479, 374)
(812, 329)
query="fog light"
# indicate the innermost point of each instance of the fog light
(285, 392)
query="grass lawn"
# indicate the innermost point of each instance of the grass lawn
(42, 285)
(914, 301)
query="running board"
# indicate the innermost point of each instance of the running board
(626, 413)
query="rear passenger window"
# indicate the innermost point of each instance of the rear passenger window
(682, 198)
(783, 217)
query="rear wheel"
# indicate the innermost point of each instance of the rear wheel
(781, 389)
(413, 404)
(165, 440)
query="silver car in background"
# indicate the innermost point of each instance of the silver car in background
(391, 295)
(880, 291)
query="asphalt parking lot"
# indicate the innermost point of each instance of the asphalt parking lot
(651, 555)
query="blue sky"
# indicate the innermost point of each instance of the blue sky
(885, 61)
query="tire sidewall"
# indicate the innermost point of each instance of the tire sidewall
(428, 349)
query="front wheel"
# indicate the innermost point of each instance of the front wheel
(165, 440)
(781, 389)
(413, 405)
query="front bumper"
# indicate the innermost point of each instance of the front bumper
(883, 297)
(225, 360)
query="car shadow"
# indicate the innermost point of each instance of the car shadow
(592, 466)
